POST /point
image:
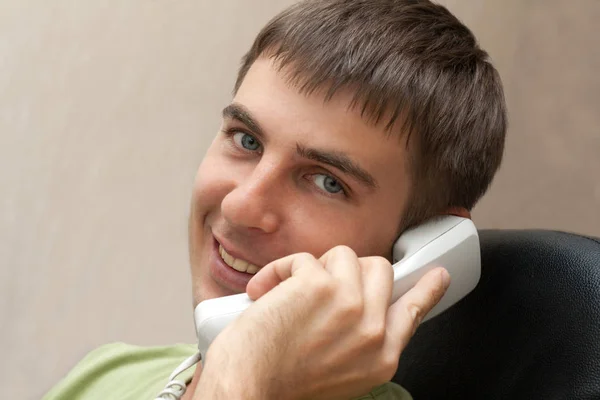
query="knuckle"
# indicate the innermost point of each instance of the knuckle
(385, 267)
(374, 335)
(380, 261)
(343, 250)
(305, 260)
(352, 308)
(323, 287)
(304, 256)
(415, 312)
(377, 263)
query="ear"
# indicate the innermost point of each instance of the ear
(459, 212)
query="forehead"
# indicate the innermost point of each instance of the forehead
(282, 110)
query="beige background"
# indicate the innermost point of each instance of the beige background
(106, 109)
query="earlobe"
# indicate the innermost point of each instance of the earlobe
(459, 212)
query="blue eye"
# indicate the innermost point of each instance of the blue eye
(246, 141)
(328, 184)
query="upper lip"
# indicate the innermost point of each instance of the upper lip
(235, 254)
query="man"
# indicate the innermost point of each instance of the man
(352, 120)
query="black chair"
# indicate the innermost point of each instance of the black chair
(530, 330)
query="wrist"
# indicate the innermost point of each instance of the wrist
(224, 383)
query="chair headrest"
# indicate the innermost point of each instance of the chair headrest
(531, 328)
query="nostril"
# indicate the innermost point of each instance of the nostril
(254, 212)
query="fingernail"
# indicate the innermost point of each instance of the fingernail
(445, 278)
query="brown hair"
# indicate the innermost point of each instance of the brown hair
(410, 61)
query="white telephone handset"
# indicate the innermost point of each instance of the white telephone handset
(449, 241)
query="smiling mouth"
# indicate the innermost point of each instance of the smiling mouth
(238, 264)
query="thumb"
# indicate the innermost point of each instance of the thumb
(405, 315)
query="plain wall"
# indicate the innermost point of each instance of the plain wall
(106, 109)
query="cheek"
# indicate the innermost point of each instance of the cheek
(210, 185)
(367, 233)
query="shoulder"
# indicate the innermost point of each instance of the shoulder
(139, 354)
(118, 368)
(389, 391)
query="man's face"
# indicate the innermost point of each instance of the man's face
(291, 173)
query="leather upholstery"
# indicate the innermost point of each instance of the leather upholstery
(530, 330)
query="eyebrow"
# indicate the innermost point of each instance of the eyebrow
(340, 161)
(241, 114)
(335, 159)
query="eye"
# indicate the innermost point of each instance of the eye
(328, 183)
(246, 141)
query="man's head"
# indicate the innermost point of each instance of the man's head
(352, 120)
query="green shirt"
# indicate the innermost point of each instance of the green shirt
(124, 372)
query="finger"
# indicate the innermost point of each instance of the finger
(405, 315)
(279, 270)
(342, 263)
(378, 282)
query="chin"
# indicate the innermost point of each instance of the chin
(207, 289)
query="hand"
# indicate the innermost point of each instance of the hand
(319, 329)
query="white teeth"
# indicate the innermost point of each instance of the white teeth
(240, 265)
(252, 269)
(237, 264)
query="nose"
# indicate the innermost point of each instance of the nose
(253, 203)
